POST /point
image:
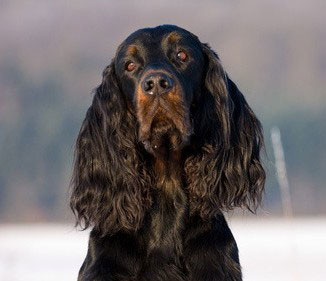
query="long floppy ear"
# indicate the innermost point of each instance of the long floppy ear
(110, 183)
(225, 169)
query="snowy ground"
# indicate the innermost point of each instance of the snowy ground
(270, 250)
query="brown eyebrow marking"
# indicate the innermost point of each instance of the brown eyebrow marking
(132, 50)
(173, 37)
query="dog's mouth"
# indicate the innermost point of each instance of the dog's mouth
(164, 136)
(164, 131)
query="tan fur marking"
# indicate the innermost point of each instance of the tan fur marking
(173, 37)
(132, 50)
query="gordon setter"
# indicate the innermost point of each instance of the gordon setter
(168, 144)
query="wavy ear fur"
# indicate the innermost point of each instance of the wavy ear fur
(224, 170)
(110, 185)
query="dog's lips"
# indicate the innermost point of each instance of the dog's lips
(163, 135)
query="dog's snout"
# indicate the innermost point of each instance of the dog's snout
(157, 83)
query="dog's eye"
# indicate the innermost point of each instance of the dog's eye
(130, 66)
(182, 56)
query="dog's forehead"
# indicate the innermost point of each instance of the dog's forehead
(152, 38)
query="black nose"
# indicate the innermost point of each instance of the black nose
(157, 83)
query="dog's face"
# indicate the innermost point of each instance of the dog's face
(159, 71)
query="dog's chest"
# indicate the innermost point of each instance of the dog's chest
(167, 222)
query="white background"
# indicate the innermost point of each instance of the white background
(273, 249)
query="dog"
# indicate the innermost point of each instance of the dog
(168, 145)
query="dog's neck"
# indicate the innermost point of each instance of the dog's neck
(167, 167)
(170, 203)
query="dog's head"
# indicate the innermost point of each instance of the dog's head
(165, 91)
(160, 72)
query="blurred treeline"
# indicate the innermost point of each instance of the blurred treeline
(52, 54)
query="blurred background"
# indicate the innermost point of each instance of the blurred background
(52, 54)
